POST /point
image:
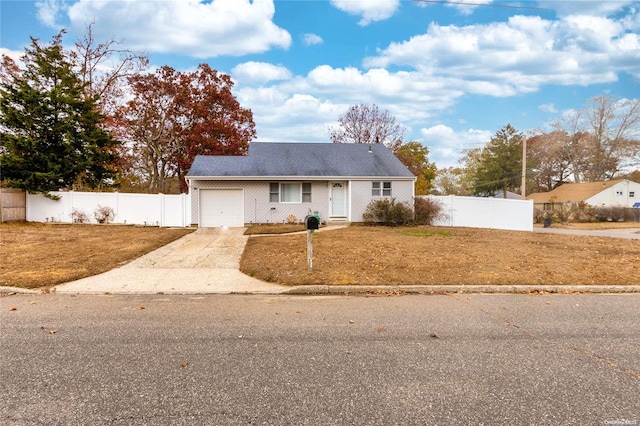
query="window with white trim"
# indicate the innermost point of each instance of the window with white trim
(274, 192)
(290, 192)
(306, 192)
(632, 194)
(381, 189)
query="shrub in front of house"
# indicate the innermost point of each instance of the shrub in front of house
(427, 211)
(388, 211)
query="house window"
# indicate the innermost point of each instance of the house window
(290, 193)
(381, 189)
(293, 192)
(306, 192)
(274, 192)
(618, 192)
(632, 194)
(386, 189)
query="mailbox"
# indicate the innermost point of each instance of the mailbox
(311, 222)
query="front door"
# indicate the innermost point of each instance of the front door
(338, 199)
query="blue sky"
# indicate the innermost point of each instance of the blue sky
(452, 75)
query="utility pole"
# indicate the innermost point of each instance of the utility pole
(524, 168)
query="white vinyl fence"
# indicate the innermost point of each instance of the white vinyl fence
(175, 210)
(137, 209)
(480, 212)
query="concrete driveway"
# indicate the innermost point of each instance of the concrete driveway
(205, 261)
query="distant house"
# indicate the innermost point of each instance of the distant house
(278, 181)
(612, 193)
(510, 195)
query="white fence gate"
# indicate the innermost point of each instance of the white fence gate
(137, 209)
(480, 212)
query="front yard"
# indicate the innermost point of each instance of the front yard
(429, 255)
(42, 255)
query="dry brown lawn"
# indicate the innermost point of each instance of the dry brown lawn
(274, 228)
(41, 255)
(429, 255)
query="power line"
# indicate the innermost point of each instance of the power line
(464, 3)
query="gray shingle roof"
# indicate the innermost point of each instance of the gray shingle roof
(303, 159)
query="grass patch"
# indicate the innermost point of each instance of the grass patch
(421, 232)
(275, 228)
(360, 255)
(42, 255)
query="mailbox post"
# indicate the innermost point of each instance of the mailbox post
(311, 223)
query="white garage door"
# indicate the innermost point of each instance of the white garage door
(221, 207)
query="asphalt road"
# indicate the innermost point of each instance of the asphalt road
(331, 360)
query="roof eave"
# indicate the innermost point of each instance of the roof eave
(322, 178)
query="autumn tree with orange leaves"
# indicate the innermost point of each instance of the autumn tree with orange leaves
(175, 116)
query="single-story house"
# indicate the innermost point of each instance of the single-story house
(612, 193)
(510, 195)
(280, 182)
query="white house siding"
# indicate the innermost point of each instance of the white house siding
(258, 209)
(360, 195)
(622, 194)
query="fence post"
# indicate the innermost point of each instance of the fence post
(117, 203)
(183, 209)
(452, 210)
(72, 205)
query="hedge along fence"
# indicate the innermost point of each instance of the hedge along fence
(138, 209)
(581, 212)
(481, 212)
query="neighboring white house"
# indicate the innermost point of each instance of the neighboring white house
(278, 181)
(613, 193)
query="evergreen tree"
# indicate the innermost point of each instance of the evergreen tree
(500, 163)
(51, 134)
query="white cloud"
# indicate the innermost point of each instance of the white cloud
(186, 27)
(548, 108)
(259, 72)
(520, 55)
(463, 7)
(311, 39)
(306, 105)
(13, 54)
(587, 7)
(446, 144)
(370, 10)
(288, 117)
(49, 12)
(466, 9)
